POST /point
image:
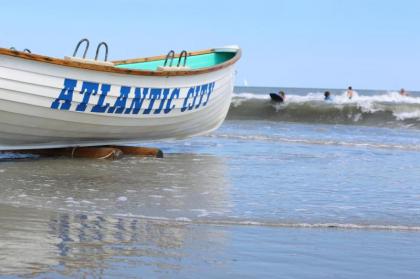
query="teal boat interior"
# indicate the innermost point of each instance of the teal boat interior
(193, 62)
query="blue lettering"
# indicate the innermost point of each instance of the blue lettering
(197, 91)
(196, 97)
(88, 89)
(202, 93)
(66, 95)
(189, 94)
(121, 101)
(174, 95)
(163, 100)
(211, 88)
(137, 101)
(100, 107)
(154, 95)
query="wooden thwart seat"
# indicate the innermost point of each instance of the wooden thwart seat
(89, 61)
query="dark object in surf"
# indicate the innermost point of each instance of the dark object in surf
(276, 97)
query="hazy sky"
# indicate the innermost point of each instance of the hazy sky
(298, 43)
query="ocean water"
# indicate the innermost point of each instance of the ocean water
(305, 189)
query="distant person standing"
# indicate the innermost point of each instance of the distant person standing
(350, 93)
(403, 92)
(327, 96)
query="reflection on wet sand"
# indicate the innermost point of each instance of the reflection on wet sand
(180, 186)
(37, 241)
(78, 218)
(25, 242)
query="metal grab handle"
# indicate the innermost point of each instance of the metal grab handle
(78, 45)
(106, 50)
(170, 55)
(25, 50)
(183, 54)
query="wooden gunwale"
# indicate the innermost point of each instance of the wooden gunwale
(112, 69)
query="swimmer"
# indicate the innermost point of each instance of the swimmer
(403, 92)
(282, 95)
(327, 96)
(350, 92)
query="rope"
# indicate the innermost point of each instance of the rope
(72, 152)
(108, 155)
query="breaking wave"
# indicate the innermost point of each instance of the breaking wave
(389, 109)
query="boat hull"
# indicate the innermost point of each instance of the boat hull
(39, 110)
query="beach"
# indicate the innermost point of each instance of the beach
(302, 189)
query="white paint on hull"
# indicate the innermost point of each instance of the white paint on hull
(27, 89)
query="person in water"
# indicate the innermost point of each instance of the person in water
(327, 96)
(283, 96)
(403, 92)
(350, 93)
